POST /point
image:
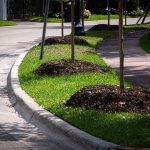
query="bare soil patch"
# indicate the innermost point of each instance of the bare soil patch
(66, 67)
(108, 98)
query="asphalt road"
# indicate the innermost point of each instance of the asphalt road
(15, 132)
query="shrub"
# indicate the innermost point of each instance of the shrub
(139, 12)
(87, 13)
(113, 11)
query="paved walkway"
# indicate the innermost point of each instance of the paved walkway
(15, 132)
(137, 61)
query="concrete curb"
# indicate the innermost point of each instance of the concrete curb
(34, 113)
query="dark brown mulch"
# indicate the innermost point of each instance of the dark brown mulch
(104, 27)
(66, 67)
(66, 40)
(108, 98)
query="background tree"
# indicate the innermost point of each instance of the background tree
(28, 8)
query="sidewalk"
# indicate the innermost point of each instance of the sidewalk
(137, 61)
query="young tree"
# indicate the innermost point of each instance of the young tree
(72, 30)
(121, 46)
(62, 19)
(108, 12)
(125, 8)
(44, 28)
(62, 16)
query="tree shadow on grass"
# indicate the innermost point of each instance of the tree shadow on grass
(126, 129)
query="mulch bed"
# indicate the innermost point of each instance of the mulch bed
(66, 40)
(108, 98)
(66, 67)
(102, 27)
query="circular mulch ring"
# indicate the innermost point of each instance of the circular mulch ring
(108, 98)
(66, 67)
(66, 40)
(102, 27)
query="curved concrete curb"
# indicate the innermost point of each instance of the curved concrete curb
(34, 113)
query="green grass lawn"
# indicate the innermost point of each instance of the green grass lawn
(145, 42)
(41, 19)
(101, 17)
(128, 129)
(7, 23)
(91, 18)
(148, 14)
(93, 37)
(105, 17)
(132, 28)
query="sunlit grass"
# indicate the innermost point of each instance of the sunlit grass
(145, 42)
(7, 23)
(128, 129)
(91, 18)
(101, 17)
(132, 28)
(41, 19)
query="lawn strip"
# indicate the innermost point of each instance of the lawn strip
(7, 23)
(128, 129)
(145, 42)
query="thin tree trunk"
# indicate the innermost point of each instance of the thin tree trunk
(8, 11)
(108, 9)
(146, 13)
(62, 19)
(44, 28)
(125, 7)
(121, 46)
(23, 9)
(43, 8)
(72, 30)
(82, 7)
